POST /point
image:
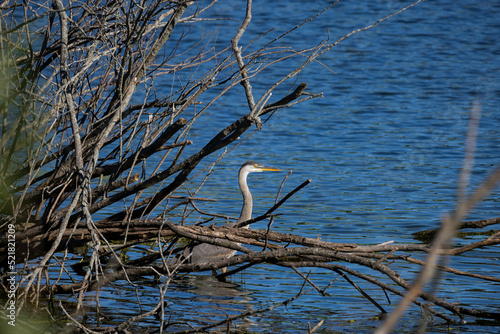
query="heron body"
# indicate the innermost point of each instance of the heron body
(202, 253)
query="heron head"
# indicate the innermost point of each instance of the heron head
(253, 167)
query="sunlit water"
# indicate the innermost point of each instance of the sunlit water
(383, 148)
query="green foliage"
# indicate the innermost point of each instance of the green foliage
(17, 110)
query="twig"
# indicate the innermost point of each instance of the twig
(274, 207)
(239, 59)
(318, 325)
(344, 276)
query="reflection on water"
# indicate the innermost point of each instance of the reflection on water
(214, 300)
(207, 286)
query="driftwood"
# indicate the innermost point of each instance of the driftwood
(295, 252)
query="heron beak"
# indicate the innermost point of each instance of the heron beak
(270, 169)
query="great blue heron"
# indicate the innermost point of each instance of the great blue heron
(202, 253)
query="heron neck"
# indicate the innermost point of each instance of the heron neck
(246, 210)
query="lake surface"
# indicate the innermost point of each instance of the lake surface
(383, 148)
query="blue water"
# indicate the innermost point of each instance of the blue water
(383, 147)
